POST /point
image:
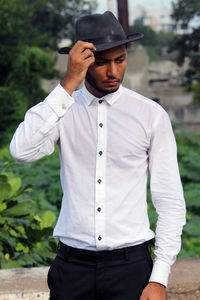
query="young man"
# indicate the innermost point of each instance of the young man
(109, 138)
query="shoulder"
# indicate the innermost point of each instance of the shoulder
(148, 112)
(143, 101)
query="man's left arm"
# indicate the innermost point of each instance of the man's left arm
(167, 197)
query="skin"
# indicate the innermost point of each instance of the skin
(107, 72)
(103, 73)
(154, 291)
(81, 57)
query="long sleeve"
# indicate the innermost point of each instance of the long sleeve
(167, 197)
(36, 136)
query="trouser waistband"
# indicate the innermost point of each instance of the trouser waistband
(92, 257)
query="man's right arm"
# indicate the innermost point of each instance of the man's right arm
(37, 134)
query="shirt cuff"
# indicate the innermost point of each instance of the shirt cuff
(160, 272)
(59, 100)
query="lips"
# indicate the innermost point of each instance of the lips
(112, 82)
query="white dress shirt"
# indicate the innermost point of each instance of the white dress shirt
(107, 148)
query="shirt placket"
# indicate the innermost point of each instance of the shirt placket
(100, 234)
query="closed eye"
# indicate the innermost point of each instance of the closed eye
(102, 62)
(119, 61)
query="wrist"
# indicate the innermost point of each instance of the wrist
(153, 283)
(69, 85)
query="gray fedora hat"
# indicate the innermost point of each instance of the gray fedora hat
(103, 30)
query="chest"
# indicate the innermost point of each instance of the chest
(120, 131)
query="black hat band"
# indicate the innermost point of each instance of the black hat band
(107, 39)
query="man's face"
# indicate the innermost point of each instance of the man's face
(106, 74)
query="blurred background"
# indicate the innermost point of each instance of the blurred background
(163, 66)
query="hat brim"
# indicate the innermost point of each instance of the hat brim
(105, 46)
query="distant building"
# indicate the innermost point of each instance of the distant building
(157, 19)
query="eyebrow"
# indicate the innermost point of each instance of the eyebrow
(106, 60)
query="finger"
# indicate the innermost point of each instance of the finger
(84, 45)
(87, 53)
(89, 61)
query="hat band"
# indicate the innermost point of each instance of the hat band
(107, 39)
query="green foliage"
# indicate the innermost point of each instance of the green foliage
(38, 23)
(188, 155)
(195, 88)
(154, 42)
(153, 54)
(30, 31)
(165, 38)
(150, 37)
(31, 65)
(188, 144)
(35, 23)
(44, 176)
(25, 228)
(187, 45)
(186, 10)
(23, 87)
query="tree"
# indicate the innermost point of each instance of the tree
(188, 45)
(154, 42)
(150, 38)
(30, 31)
(165, 38)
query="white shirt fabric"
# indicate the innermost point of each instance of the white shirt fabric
(107, 150)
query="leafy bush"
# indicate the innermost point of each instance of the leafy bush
(187, 44)
(24, 87)
(25, 228)
(188, 144)
(195, 88)
(30, 32)
(43, 175)
(189, 163)
(153, 53)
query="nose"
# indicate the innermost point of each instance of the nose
(112, 70)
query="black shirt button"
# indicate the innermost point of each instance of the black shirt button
(100, 101)
(99, 209)
(99, 181)
(101, 125)
(100, 152)
(99, 238)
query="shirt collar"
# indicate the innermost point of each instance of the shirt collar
(109, 98)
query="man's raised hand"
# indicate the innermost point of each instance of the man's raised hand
(81, 56)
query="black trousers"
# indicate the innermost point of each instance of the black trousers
(119, 274)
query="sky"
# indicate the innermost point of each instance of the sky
(157, 4)
(152, 4)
